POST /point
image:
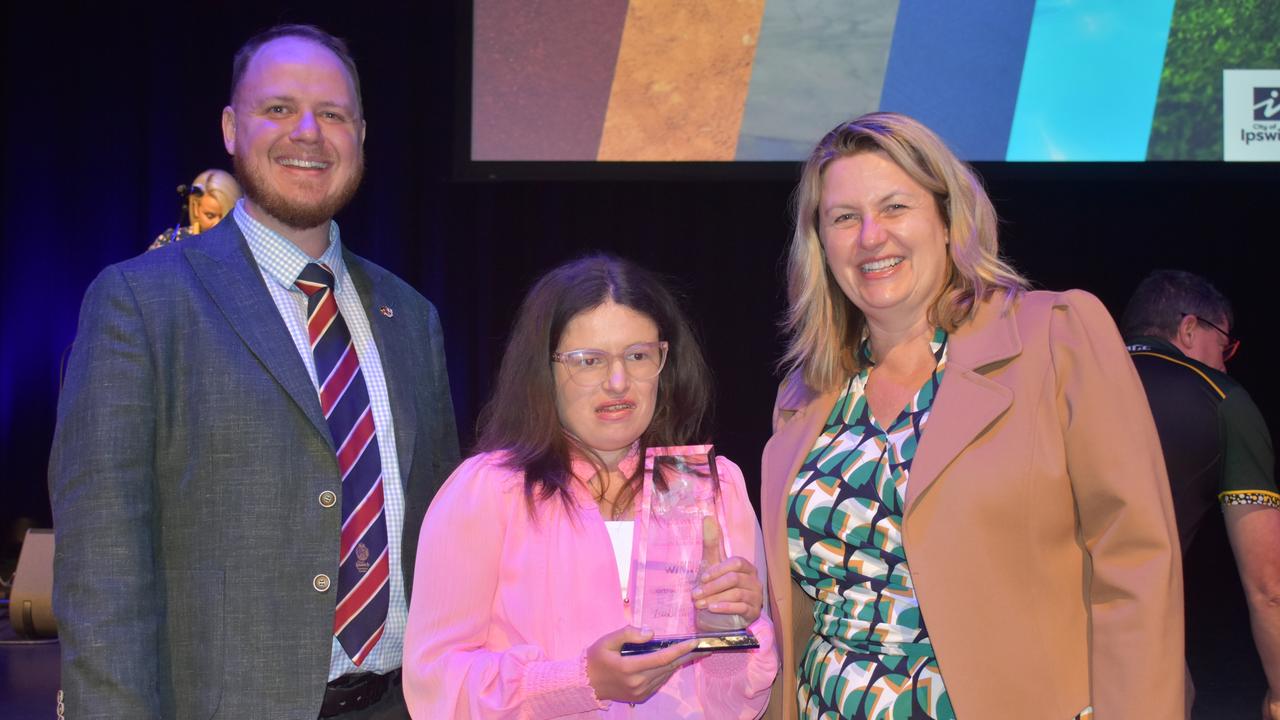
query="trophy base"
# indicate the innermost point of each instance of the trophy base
(730, 640)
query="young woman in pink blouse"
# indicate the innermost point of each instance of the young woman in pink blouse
(520, 598)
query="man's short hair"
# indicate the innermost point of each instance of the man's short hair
(1164, 297)
(334, 44)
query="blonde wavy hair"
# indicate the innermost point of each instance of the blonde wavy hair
(822, 326)
(218, 184)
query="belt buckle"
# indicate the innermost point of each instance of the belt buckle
(355, 692)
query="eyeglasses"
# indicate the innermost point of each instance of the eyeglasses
(588, 367)
(1233, 344)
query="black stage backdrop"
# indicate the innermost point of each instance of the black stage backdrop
(107, 109)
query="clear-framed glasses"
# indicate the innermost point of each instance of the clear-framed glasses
(588, 367)
(1233, 344)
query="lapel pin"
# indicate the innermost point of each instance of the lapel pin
(387, 312)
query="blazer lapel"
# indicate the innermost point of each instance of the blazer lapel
(231, 277)
(968, 401)
(394, 351)
(783, 456)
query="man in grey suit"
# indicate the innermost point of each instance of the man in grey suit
(252, 425)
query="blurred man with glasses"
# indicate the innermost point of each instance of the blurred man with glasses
(1216, 444)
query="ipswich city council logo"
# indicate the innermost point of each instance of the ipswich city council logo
(1266, 103)
(1251, 114)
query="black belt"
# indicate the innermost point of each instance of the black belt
(356, 692)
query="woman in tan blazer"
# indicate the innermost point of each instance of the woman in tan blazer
(964, 502)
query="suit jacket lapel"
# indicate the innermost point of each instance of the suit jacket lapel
(968, 401)
(230, 275)
(394, 351)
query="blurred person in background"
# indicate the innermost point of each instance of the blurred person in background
(1217, 447)
(207, 200)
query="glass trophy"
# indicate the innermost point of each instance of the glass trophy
(677, 535)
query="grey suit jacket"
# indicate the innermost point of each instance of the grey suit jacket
(187, 464)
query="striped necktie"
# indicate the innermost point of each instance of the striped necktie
(363, 588)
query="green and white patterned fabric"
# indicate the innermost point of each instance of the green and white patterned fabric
(870, 655)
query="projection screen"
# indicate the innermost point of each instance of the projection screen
(750, 80)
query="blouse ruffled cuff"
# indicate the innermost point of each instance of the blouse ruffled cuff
(561, 687)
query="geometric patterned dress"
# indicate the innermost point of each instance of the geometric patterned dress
(870, 657)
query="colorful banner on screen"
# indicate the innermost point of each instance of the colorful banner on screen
(750, 80)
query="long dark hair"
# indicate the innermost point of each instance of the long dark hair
(520, 417)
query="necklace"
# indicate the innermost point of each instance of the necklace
(615, 510)
(609, 507)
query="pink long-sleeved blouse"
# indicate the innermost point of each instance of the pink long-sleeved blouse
(505, 603)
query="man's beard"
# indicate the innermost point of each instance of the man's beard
(294, 214)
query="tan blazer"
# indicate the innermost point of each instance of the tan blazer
(1038, 524)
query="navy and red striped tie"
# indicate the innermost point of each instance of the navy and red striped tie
(364, 590)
